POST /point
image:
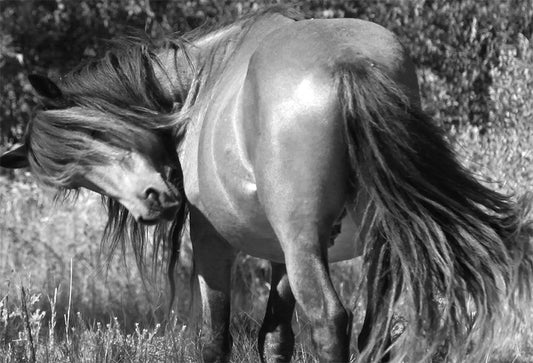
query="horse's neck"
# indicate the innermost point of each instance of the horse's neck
(180, 70)
(206, 57)
(181, 66)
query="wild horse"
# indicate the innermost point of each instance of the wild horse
(300, 142)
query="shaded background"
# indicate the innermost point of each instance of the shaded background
(459, 44)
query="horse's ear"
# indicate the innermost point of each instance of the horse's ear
(44, 86)
(15, 158)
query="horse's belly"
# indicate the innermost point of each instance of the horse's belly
(262, 242)
(248, 230)
(244, 225)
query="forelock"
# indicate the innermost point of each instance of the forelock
(62, 143)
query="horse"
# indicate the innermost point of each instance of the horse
(302, 142)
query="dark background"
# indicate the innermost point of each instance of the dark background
(459, 43)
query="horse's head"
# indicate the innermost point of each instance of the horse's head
(69, 145)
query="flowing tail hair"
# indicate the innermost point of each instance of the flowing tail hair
(453, 248)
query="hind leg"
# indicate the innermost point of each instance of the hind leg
(213, 259)
(310, 281)
(276, 338)
(304, 242)
(302, 187)
(302, 175)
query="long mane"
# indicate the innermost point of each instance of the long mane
(118, 100)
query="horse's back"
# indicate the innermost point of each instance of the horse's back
(315, 47)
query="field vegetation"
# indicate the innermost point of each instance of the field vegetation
(63, 299)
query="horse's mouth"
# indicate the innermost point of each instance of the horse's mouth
(154, 216)
(147, 221)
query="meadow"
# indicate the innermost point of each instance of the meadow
(66, 298)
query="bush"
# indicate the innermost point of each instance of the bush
(51, 37)
(459, 43)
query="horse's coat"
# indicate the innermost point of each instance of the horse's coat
(272, 131)
(230, 133)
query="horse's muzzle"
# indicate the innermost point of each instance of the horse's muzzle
(160, 206)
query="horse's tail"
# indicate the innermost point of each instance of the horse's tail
(450, 245)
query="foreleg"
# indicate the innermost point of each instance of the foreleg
(276, 338)
(213, 259)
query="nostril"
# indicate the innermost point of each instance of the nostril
(151, 194)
